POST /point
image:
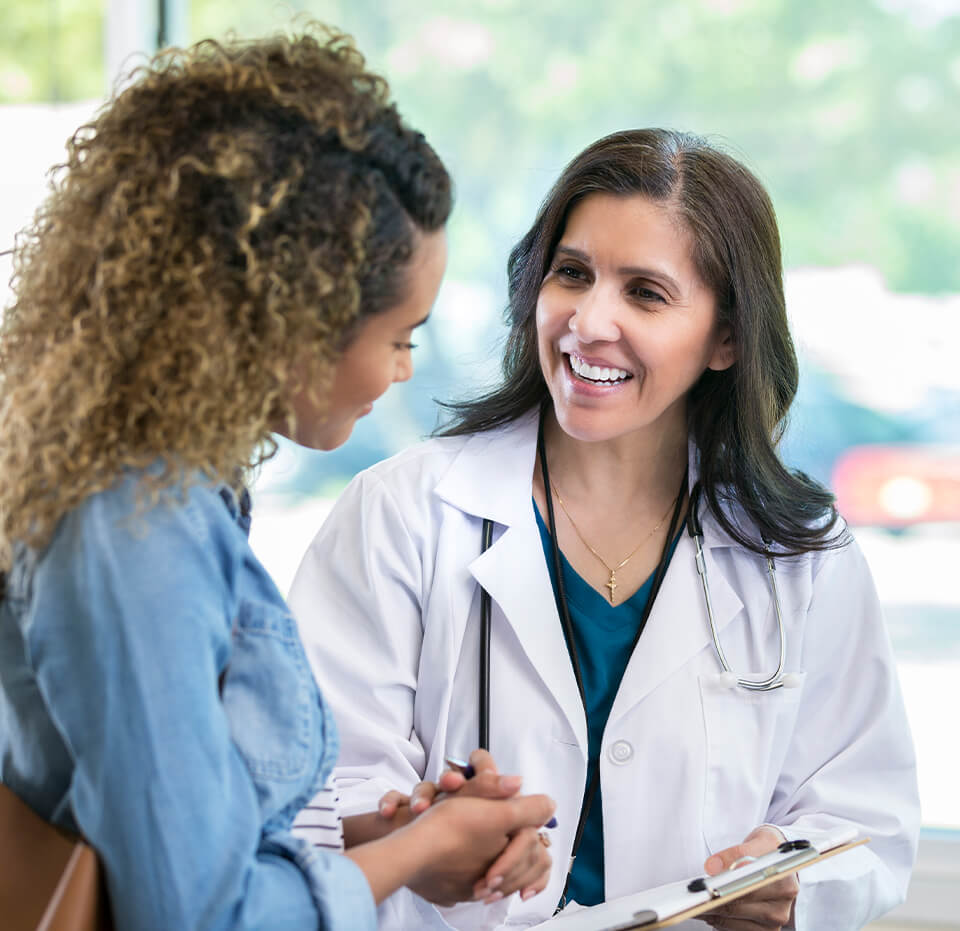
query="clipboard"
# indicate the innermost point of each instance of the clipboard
(669, 905)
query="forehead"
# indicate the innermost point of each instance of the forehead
(621, 226)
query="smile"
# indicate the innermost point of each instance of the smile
(596, 374)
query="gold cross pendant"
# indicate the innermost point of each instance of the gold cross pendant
(612, 584)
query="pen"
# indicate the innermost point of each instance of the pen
(468, 772)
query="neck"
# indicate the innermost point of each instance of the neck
(643, 465)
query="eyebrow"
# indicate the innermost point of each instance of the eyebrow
(630, 271)
(414, 326)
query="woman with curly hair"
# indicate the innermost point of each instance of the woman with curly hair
(241, 242)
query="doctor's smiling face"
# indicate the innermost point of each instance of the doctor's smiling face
(625, 326)
(377, 355)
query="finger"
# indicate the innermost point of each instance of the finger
(482, 762)
(735, 924)
(537, 886)
(514, 862)
(390, 802)
(786, 888)
(762, 911)
(539, 874)
(451, 780)
(524, 863)
(489, 784)
(422, 796)
(758, 842)
(529, 811)
(724, 859)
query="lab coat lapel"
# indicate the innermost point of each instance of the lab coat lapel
(515, 574)
(492, 478)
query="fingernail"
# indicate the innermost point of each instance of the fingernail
(510, 783)
(496, 881)
(481, 893)
(528, 894)
(490, 899)
(552, 823)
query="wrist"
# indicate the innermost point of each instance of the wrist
(370, 826)
(391, 862)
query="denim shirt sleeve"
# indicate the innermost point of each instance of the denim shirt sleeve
(127, 632)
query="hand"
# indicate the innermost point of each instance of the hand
(472, 842)
(396, 809)
(523, 867)
(766, 908)
(486, 783)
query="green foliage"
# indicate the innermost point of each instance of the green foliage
(846, 110)
(51, 51)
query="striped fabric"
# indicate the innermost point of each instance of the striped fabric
(320, 821)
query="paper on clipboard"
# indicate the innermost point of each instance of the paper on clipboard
(666, 906)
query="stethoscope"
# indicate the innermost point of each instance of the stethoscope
(779, 679)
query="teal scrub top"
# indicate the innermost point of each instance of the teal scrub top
(603, 634)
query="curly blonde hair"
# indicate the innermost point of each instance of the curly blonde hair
(236, 206)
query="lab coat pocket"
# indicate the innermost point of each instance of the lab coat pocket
(269, 695)
(747, 735)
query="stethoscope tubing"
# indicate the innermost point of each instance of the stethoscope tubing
(774, 681)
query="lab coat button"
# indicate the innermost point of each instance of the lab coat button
(620, 752)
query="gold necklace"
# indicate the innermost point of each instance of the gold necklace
(611, 583)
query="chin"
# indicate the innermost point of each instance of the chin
(327, 438)
(589, 426)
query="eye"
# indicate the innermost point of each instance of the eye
(568, 272)
(404, 347)
(642, 293)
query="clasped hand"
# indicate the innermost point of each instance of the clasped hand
(495, 847)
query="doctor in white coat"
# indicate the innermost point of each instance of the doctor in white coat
(648, 373)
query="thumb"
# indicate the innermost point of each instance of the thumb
(758, 842)
(482, 762)
(529, 811)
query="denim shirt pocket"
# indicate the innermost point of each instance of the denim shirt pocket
(271, 702)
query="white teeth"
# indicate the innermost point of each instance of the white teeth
(595, 372)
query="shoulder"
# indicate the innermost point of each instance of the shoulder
(131, 531)
(475, 457)
(135, 508)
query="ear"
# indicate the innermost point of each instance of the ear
(724, 352)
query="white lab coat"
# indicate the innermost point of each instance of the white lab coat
(388, 602)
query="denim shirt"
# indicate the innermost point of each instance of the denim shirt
(113, 642)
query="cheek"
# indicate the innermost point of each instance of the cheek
(380, 376)
(551, 322)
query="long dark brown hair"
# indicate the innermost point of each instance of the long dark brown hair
(736, 416)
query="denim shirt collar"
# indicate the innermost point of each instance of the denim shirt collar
(239, 504)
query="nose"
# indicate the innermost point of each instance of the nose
(404, 369)
(594, 317)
